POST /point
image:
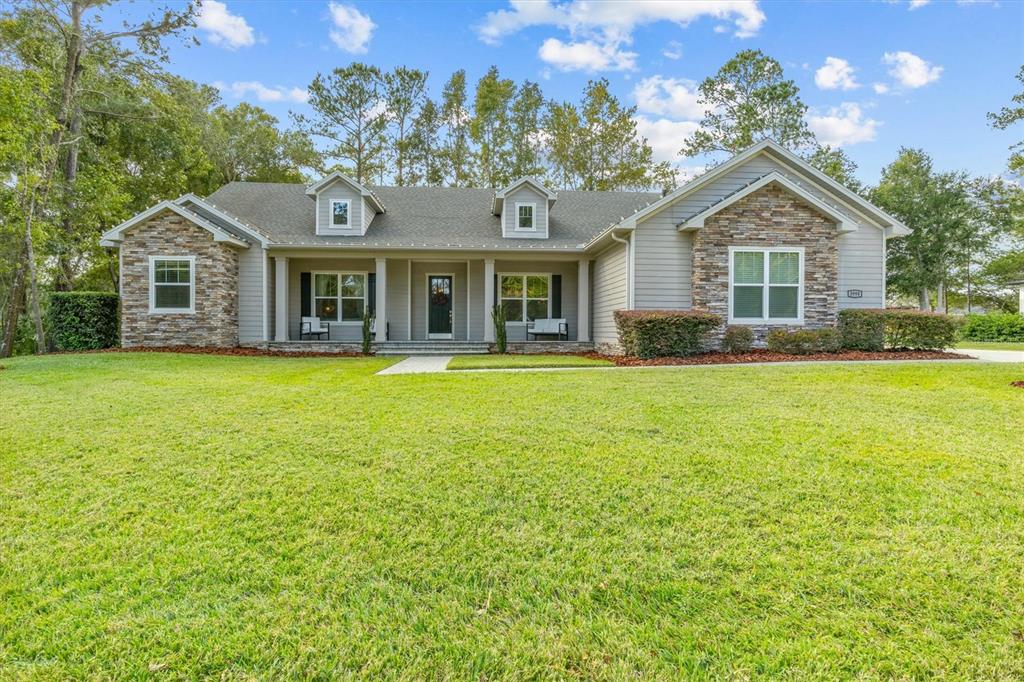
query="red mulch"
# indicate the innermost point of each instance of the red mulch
(768, 356)
(237, 350)
(1017, 384)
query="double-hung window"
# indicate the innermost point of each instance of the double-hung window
(339, 297)
(525, 298)
(525, 217)
(339, 214)
(766, 285)
(172, 284)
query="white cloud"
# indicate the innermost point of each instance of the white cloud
(880, 88)
(586, 56)
(843, 125)
(836, 74)
(918, 4)
(674, 50)
(352, 29)
(222, 27)
(911, 71)
(677, 98)
(604, 28)
(665, 137)
(263, 93)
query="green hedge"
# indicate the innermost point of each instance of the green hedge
(875, 329)
(804, 341)
(663, 333)
(993, 327)
(737, 339)
(83, 320)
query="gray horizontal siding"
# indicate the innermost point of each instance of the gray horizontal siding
(861, 260)
(420, 272)
(250, 294)
(398, 299)
(609, 292)
(336, 191)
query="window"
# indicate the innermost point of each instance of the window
(339, 214)
(526, 297)
(766, 285)
(339, 297)
(171, 283)
(524, 216)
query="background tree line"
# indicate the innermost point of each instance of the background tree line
(94, 128)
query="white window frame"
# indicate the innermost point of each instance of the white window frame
(339, 298)
(533, 216)
(348, 216)
(524, 298)
(153, 310)
(766, 286)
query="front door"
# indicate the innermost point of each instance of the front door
(439, 307)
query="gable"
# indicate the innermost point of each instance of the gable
(525, 196)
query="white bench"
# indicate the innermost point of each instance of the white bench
(549, 327)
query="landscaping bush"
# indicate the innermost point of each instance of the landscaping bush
(737, 339)
(919, 330)
(804, 341)
(993, 327)
(862, 329)
(663, 333)
(83, 320)
(367, 336)
(500, 330)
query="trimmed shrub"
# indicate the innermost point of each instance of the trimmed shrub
(862, 329)
(804, 341)
(737, 339)
(83, 320)
(993, 327)
(663, 333)
(919, 330)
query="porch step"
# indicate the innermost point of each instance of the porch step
(432, 348)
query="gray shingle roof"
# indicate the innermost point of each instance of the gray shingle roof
(418, 217)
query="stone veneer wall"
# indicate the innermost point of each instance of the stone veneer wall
(771, 216)
(215, 320)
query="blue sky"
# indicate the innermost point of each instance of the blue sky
(877, 75)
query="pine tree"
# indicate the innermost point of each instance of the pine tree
(489, 127)
(457, 152)
(405, 90)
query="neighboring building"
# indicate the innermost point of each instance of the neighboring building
(763, 240)
(1020, 294)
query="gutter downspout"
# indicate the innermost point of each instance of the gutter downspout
(629, 266)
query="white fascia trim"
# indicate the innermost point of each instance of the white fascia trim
(113, 237)
(226, 217)
(696, 222)
(363, 190)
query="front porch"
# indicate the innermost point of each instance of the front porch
(427, 347)
(425, 300)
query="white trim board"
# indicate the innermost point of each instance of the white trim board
(113, 237)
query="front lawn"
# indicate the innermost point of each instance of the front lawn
(187, 516)
(992, 345)
(510, 361)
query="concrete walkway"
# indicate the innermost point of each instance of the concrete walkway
(993, 355)
(419, 364)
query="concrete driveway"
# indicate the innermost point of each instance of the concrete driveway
(993, 355)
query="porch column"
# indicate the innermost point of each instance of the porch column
(280, 298)
(488, 300)
(583, 301)
(382, 300)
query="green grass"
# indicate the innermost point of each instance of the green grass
(185, 516)
(991, 345)
(524, 361)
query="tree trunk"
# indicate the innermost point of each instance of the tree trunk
(33, 283)
(113, 271)
(14, 308)
(925, 300)
(65, 270)
(940, 298)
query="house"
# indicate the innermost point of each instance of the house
(763, 239)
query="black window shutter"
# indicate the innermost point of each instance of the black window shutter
(371, 293)
(556, 296)
(497, 294)
(307, 294)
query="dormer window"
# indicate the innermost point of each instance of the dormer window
(339, 214)
(525, 217)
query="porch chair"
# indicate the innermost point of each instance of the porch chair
(550, 327)
(311, 326)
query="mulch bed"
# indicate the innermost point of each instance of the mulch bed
(1017, 384)
(768, 356)
(237, 350)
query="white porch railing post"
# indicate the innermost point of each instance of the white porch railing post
(488, 300)
(382, 300)
(583, 300)
(280, 298)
